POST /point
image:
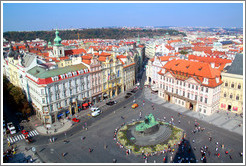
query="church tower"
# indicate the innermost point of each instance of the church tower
(58, 48)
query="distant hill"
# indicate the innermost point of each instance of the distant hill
(87, 34)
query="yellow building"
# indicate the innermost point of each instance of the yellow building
(13, 71)
(231, 98)
(111, 75)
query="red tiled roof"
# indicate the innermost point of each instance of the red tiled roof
(166, 58)
(102, 58)
(173, 41)
(196, 70)
(201, 49)
(74, 51)
(169, 47)
(209, 59)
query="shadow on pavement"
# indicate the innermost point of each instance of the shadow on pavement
(185, 153)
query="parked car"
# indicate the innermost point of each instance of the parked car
(134, 90)
(11, 128)
(24, 132)
(96, 113)
(94, 108)
(135, 105)
(111, 102)
(75, 120)
(127, 96)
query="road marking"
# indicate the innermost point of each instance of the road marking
(22, 135)
(35, 131)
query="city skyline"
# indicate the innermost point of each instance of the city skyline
(48, 16)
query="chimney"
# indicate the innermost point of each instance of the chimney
(212, 64)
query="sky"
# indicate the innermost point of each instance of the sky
(48, 16)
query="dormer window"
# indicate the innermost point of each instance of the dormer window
(205, 81)
(217, 80)
(200, 69)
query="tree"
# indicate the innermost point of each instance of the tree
(183, 52)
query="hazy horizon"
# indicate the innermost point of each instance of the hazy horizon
(48, 16)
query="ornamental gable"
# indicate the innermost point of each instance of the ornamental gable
(192, 81)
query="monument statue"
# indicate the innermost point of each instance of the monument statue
(148, 123)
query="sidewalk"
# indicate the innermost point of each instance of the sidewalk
(24, 156)
(65, 124)
(223, 119)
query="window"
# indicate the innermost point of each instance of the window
(188, 96)
(204, 111)
(226, 84)
(196, 87)
(65, 101)
(201, 99)
(183, 93)
(232, 85)
(184, 83)
(202, 89)
(206, 100)
(172, 90)
(200, 110)
(239, 86)
(43, 100)
(176, 91)
(189, 85)
(206, 90)
(180, 82)
(231, 96)
(237, 98)
(51, 107)
(224, 94)
(192, 86)
(195, 97)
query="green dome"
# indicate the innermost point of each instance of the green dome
(57, 40)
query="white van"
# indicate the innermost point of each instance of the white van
(11, 128)
(96, 113)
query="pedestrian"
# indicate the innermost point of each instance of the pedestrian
(53, 139)
(216, 149)
(179, 121)
(193, 141)
(164, 159)
(90, 150)
(230, 157)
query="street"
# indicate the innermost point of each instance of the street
(101, 129)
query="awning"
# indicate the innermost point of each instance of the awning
(67, 112)
(60, 115)
(85, 105)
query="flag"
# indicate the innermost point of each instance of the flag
(108, 76)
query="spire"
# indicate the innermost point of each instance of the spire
(57, 40)
(138, 41)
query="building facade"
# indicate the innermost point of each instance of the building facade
(232, 89)
(193, 85)
(54, 93)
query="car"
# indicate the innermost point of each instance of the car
(96, 113)
(135, 105)
(75, 120)
(134, 90)
(24, 132)
(94, 108)
(11, 128)
(127, 96)
(111, 102)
